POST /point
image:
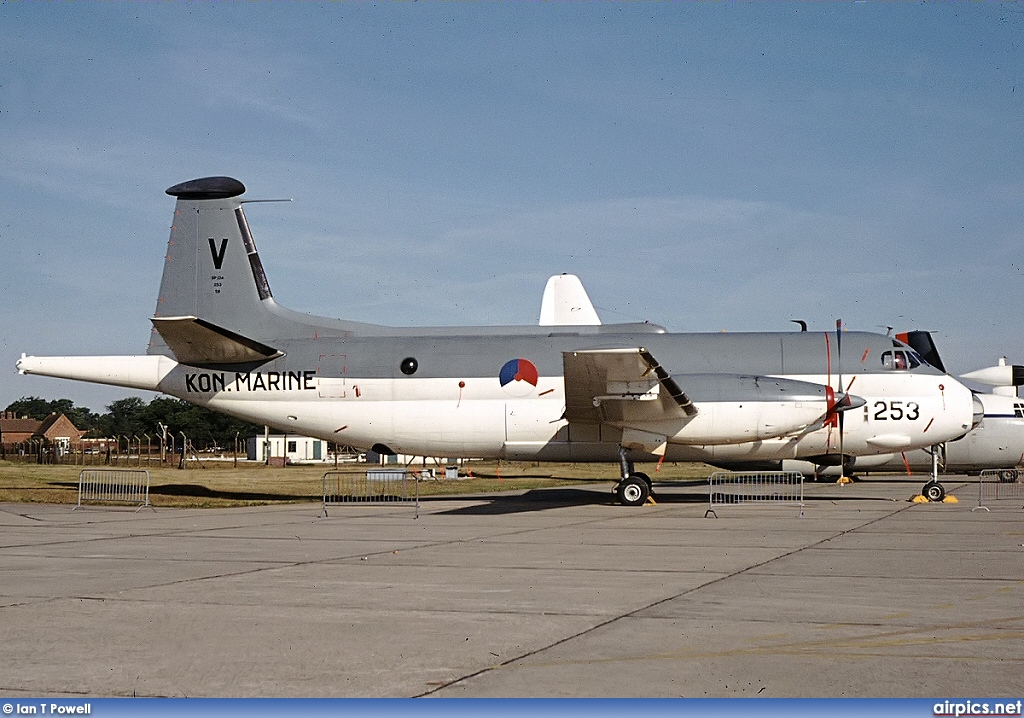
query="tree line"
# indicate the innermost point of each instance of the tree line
(134, 417)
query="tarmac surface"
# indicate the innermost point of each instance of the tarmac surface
(554, 592)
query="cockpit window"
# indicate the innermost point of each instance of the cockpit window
(900, 359)
(1018, 410)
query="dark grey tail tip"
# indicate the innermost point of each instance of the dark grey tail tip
(207, 188)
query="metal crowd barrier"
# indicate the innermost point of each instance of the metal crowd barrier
(999, 485)
(377, 486)
(728, 488)
(124, 485)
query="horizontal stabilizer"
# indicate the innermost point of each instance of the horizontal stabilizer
(197, 342)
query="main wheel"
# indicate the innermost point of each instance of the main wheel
(633, 491)
(647, 480)
(934, 491)
(1008, 476)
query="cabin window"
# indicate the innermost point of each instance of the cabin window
(409, 366)
(900, 360)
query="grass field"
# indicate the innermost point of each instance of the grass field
(220, 485)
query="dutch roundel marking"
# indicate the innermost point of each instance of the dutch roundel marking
(518, 377)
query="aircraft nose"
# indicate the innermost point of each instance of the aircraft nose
(979, 412)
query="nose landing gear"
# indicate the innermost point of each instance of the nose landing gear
(933, 490)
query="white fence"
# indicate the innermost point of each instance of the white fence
(114, 485)
(996, 485)
(376, 486)
(728, 488)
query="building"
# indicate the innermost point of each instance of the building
(285, 449)
(55, 431)
(291, 449)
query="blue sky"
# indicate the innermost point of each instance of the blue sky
(706, 166)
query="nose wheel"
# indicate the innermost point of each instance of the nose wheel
(934, 491)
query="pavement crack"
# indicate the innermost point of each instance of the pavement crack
(654, 604)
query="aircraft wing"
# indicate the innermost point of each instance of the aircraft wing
(198, 343)
(621, 385)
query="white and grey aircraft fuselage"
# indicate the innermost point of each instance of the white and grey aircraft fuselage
(625, 392)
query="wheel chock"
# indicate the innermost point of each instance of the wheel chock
(650, 501)
(844, 480)
(924, 500)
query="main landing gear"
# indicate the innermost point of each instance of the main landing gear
(634, 488)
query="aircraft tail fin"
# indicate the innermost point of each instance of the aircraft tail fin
(565, 302)
(924, 345)
(212, 271)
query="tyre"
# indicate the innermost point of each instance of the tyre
(934, 491)
(647, 480)
(633, 492)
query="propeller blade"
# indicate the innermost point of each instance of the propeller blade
(840, 412)
(839, 352)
